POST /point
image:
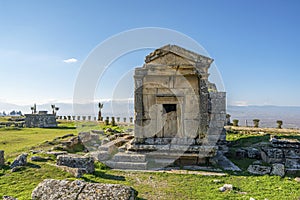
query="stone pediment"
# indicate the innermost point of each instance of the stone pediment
(175, 55)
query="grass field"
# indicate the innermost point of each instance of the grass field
(149, 185)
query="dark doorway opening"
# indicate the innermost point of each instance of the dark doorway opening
(167, 108)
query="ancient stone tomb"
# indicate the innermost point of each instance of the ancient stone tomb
(177, 109)
(41, 120)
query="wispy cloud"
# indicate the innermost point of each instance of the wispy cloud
(70, 60)
(240, 103)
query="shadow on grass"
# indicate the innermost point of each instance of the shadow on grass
(31, 165)
(104, 175)
(62, 127)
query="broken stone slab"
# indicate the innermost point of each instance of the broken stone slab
(21, 160)
(2, 161)
(76, 161)
(278, 169)
(80, 190)
(259, 170)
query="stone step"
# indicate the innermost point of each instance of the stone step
(126, 157)
(127, 165)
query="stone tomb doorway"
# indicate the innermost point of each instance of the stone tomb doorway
(169, 117)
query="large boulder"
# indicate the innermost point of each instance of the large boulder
(21, 160)
(51, 189)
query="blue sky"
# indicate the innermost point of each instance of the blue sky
(255, 44)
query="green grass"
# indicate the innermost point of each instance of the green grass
(149, 185)
(14, 140)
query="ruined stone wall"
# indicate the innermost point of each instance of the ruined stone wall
(40, 120)
(217, 117)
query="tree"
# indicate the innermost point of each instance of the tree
(54, 109)
(33, 109)
(235, 122)
(279, 123)
(256, 123)
(100, 106)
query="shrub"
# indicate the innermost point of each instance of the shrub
(235, 122)
(256, 123)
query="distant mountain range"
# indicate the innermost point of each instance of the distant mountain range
(268, 115)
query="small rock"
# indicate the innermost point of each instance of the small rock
(226, 187)
(21, 160)
(8, 198)
(251, 198)
(257, 162)
(16, 169)
(217, 181)
(297, 179)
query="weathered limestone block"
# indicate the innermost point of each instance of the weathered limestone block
(259, 170)
(80, 190)
(75, 161)
(21, 160)
(2, 161)
(272, 155)
(278, 169)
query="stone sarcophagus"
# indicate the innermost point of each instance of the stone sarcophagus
(177, 110)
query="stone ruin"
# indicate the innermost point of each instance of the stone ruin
(41, 120)
(179, 114)
(281, 155)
